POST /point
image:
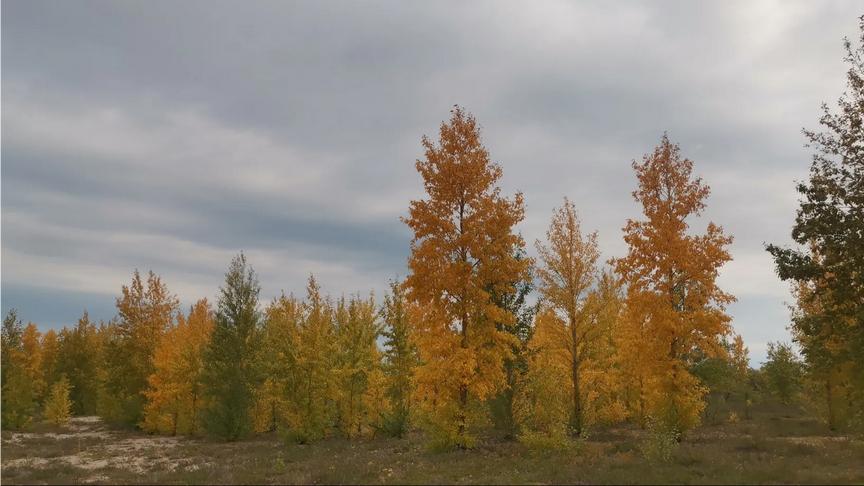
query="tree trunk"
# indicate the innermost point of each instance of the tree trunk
(829, 397)
(463, 388)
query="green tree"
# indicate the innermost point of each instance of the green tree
(727, 377)
(230, 374)
(828, 267)
(79, 359)
(783, 371)
(400, 359)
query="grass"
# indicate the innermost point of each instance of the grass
(778, 445)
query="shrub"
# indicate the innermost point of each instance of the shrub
(661, 441)
(58, 407)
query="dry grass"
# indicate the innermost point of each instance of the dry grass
(777, 446)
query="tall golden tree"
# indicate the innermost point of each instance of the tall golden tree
(674, 305)
(569, 268)
(310, 410)
(277, 360)
(358, 364)
(50, 345)
(462, 250)
(145, 311)
(174, 395)
(32, 348)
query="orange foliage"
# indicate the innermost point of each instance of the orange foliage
(174, 395)
(462, 250)
(674, 306)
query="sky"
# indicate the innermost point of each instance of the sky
(171, 135)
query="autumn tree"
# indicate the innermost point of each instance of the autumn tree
(542, 407)
(230, 373)
(828, 266)
(604, 399)
(175, 393)
(277, 362)
(58, 405)
(310, 408)
(399, 360)
(358, 364)
(50, 344)
(674, 306)
(32, 360)
(145, 311)
(461, 252)
(18, 393)
(547, 402)
(514, 298)
(569, 268)
(80, 360)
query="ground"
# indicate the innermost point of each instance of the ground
(773, 447)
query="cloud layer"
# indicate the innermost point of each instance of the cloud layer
(171, 135)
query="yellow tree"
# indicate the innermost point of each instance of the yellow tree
(542, 406)
(675, 308)
(358, 363)
(32, 348)
(174, 396)
(277, 360)
(50, 353)
(58, 406)
(569, 267)
(18, 397)
(604, 391)
(145, 311)
(309, 411)
(547, 400)
(462, 250)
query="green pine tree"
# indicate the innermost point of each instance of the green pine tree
(78, 359)
(400, 358)
(230, 374)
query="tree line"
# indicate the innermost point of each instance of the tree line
(457, 347)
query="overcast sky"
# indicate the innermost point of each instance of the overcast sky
(170, 135)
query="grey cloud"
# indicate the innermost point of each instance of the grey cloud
(173, 134)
